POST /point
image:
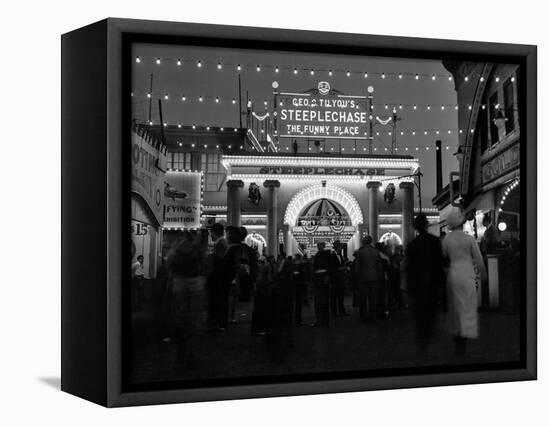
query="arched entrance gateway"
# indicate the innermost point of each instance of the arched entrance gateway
(298, 200)
(256, 241)
(325, 213)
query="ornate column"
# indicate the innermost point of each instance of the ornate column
(407, 211)
(271, 201)
(234, 202)
(373, 189)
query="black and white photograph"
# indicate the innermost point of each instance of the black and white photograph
(300, 215)
(274, 213)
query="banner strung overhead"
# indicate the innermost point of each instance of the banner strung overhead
(182, 199)
(321, 113)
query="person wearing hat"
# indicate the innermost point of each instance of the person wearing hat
(464, 256)
(369, 273)
(241, 267)
(425, 276)
(324, 267)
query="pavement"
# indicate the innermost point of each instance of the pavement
(347, 345)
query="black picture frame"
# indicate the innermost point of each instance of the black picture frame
(95, 187)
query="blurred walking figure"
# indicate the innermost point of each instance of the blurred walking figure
(354, 281)
(323, 269)
(260, 314)
(383, 294)
(338, 282)
(218, 296)
(247, 280)
(464, 256)
(281, 298)
(188, 293)
(241, 266)
(396, 299)
(369, 273)
(138, 278)
(425, 277)
(299, 279)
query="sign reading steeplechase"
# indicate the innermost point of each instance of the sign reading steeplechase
(321, 113)
(343, 171)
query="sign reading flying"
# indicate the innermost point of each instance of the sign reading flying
(322, 114)
(182, 198)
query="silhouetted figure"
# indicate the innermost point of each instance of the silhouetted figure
(260, 315)
(188, 294)
(240, 267)
(247, 278)
(323, 269)
(295, 147)
(281, 295)
(369, 273)
(490, 241)
(354, 281)
(394, 277)
(218, 295)
(299, 278)
(443, 292)
(138, 280)
(425, 278)
(383, 295)
(338, 282)
(232, 265)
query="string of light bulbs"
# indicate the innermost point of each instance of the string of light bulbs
(401, 132)
(404, 149)
(393, 106)
(312, 71)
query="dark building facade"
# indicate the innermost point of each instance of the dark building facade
(488, 176)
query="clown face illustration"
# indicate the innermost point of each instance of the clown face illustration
(324, 87)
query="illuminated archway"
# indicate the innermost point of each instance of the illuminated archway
(256, 241)
(315, 192)
(255, 238)
(391, 238)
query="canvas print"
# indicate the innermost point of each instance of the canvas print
(299, 215)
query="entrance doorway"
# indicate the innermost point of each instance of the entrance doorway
(257, 242)
(323, 212)
(392, 240)
(322, 220)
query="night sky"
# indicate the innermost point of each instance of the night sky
(423, 83)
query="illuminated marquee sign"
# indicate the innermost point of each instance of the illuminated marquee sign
(344, 171)
(321, 113)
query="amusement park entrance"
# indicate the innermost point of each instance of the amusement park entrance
(322, 220)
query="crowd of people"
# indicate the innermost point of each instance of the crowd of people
(210, 272)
